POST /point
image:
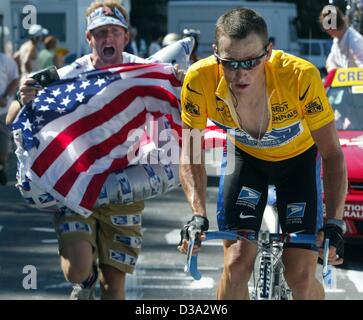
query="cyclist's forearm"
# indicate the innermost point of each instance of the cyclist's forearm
(193, 178)
(335, 186)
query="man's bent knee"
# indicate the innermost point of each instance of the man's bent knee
(300, 270)
(77, 261)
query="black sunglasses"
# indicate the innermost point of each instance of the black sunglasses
(247, 64)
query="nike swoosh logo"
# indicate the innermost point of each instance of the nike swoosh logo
(246, 217)
(191, 90)
(304, 95)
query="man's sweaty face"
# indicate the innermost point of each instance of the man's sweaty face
(108, 43)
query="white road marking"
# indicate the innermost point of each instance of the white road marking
(62, 285)
(50, 241)
(166, 268)
(51, 230)
(204, 283)
(59, 285)
(185, 277)
(357, 278)
(334, 290)
(173, 237)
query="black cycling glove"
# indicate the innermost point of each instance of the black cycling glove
(198, 222)
(335, 235)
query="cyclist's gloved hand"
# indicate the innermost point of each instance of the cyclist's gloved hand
(335, 235)
(200, 223)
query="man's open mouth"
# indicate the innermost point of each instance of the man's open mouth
(109, 51)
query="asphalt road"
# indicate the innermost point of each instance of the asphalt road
(27, 239)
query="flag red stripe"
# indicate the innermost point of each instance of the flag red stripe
(65, 183)
(94, 187)
(87, 123)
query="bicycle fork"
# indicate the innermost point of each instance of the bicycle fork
(271, 284)
(265, 282)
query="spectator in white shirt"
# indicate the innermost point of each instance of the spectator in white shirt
(9, 81)
(347, 48)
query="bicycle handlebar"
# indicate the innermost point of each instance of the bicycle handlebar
(254, 236)
(192, 261)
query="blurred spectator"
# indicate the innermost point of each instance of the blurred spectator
(137, 45)
(47, 57)
(9, 81)
(155, 44)
(26, 56)
(169, 39)
(51, 55)
(62, 54)
(347, 48)
(195, 34)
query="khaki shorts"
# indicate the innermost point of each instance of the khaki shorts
(113, 231)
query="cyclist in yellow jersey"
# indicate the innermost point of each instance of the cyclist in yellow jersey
(279, 124)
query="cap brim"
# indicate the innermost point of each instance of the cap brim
(103, 21)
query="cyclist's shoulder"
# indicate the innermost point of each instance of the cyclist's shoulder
(288, 66)
(206, 66)
(202, 76)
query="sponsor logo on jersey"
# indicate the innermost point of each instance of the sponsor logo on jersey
(281, 112)
(277, 137)
(223, 110)
(249, 196)
(242, 216)
(303, 96)
(296, 210)
(314, 106)
(192, 108)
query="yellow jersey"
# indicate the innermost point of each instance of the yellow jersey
(297, 105)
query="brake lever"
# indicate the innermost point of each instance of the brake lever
(192, 232)
(327, 268)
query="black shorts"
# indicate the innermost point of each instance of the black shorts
(243, 194)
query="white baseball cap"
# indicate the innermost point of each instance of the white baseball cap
(103, 16)
(36, 30)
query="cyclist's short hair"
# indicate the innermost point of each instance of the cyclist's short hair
(240, 23)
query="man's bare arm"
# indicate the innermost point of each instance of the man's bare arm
(335, 172)
(13, 112)
(193, 175)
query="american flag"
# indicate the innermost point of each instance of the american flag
(76, 131)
